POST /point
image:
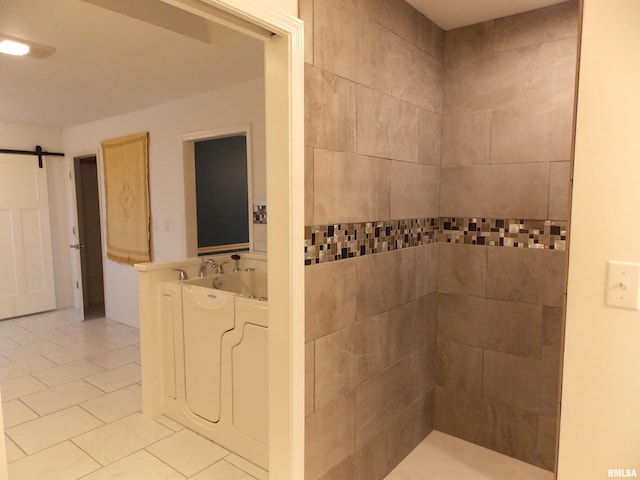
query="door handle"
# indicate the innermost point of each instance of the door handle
(77, 246)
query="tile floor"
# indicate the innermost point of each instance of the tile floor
(71, 404)
(443, 457)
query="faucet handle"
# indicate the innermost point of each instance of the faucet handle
(219, 267)
(182, 275)
(236, 258)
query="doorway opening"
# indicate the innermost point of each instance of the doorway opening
(89, 236)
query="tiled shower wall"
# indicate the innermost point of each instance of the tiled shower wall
(506, 151)
(373, 101)
(403, 122)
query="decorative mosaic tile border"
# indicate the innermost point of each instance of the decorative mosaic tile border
(260, 214)
(542, 234)
(328, 243)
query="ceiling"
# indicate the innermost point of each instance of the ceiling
(117, 56)
(449, 14)
(107, 63)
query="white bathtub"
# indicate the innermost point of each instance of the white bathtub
(215, 344)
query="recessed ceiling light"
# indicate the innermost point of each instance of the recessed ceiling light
(13, 48)
(19, 47)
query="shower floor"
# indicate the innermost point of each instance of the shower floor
(441, 456)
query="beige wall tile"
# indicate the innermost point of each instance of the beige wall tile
(459, 367)
(330, 110)
(495, 191)
(345, 358)
(527, 275)
(330, 297)
(530, 385)
(527, 75)
(329, 436)
(305, 12)
(399, 17)
(349, 188)
(508, 327)
(552, 334)
(430, 138)
(309, 378)
(308, 186)
(384, 281)
(426, 269)
(559, 190)
(387, 127)
(466, 139)
(374, 57)
(462, 269)
(336, 366)
(414, 190)
(467, 44)
(407, 330)
(430, 37)
(538, 26)
(369, 461)
(369, 346)
(546, 443)
(336, 37)
(410, 428)
(491, 425)
(532, 133)
(380, 398)
(416, 75)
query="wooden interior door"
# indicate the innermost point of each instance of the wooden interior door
(26, 260)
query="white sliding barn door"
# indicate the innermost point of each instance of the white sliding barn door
(26, 263)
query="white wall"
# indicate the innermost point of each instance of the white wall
(289, 7)
(166, 124)
(21, 137)
(600, 419)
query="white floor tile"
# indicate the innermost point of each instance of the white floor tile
(24, 367)
(167, 422)
(60, 397)
(441, 456)
(57, 427)
(13, 451)
(121, 438)
(9, 328)
(117, 378)
(6, 342)
(187, 452)
(116, 405)
(35, 323)
(68, 373)
(117, 358)
(38, 336)
(72, 353)
(20, 386)
(25, 352)
(247, 466)
(222, 471)
(15, 412)
(87, 340)
(138, 466)
(61, 462)
(124, 340)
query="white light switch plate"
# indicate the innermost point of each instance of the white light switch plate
(623, 285)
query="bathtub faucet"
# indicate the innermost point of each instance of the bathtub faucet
(203, 266)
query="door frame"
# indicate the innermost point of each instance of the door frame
(75, 232)
(284, 115)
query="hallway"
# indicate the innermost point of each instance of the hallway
(71, 404)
